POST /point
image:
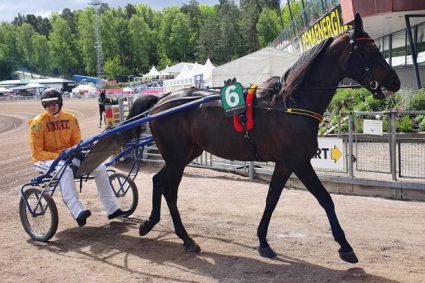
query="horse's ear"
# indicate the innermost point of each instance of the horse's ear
(358, 24)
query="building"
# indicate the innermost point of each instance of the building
(58, 83)
(398, 27)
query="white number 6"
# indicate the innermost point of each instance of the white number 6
(232, 97)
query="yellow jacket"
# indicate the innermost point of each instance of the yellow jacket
(50, 135)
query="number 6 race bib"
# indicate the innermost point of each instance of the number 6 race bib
(232, 99)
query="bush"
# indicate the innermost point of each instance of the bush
(417, 101)
(419, 118)
(422, 125)
(404, 124)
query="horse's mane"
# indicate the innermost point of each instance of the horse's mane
(295, 75)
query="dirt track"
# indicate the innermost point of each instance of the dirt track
(221, 211)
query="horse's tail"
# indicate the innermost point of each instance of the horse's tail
(140, 105)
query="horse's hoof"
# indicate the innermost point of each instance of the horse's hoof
(267, 252)
(143, 230)
(192, 247)
(349, 257)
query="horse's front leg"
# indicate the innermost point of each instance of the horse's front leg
(279, 178)
(158, 181)
(173, 177)
(309, 178)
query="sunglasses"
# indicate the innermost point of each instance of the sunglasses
(50, 103)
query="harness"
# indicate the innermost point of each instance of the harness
(245, 122)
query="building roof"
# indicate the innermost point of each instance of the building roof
(40, 81)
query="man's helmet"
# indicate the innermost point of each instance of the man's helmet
(49, 95)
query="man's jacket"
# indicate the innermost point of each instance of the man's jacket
(52, 134)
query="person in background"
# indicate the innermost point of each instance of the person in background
(102, 101)
(54, 131)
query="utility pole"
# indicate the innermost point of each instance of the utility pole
(99, 56)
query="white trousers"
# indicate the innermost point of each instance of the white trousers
(69, 190)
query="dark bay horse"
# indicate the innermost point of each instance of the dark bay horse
(287, 117)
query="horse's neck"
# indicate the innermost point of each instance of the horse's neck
(320, 85)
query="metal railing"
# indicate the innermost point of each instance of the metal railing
(390, 156)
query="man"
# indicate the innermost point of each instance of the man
(102, 101)
(54, 131)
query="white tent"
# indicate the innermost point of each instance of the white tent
(207, 73)
(165, 72)
(84, 89)
(35, 85)
(197, 69)
(3, 90)
(183, 73)
(152, 73)
(176, 69)
(256, 67)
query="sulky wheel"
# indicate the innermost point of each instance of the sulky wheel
(43, 225)
(126, 192)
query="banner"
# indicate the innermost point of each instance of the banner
(329, 25)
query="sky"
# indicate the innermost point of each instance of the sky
(10, 8)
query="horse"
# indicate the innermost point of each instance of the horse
(287, 112)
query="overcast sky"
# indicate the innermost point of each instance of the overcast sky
(10, 8)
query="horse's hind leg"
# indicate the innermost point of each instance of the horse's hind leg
(279, 178)
(158, 186)
(308, 177)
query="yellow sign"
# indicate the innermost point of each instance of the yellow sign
(335, 154)
(330, 154)
(328, 26)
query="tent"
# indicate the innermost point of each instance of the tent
(176, 69)
(84, 89)
(207, 73)
(256, 67)
(35, 85)
(3, 90)
(127, 89)
(164, 72)
(152, 73)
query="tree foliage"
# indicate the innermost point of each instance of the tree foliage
(135, 37)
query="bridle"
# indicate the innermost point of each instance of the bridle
(355, 50)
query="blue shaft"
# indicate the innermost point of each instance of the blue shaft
(144, 120)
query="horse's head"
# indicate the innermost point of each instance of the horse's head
(366, 65)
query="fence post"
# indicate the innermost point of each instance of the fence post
(393, 141)
(121, 104)
(251, 170)
(350, 145)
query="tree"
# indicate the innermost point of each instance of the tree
(174, 36)
(86, 40)
(250, 12)
(193, 13)
(69, 16)
(229, 42)
(209, 35)
(39, 24)
(115, 37)
(24, 45)
(113, 68)
(130, 10)
(268, 27)
(140, 38)
(62, 46)
(41, 54)
(9, 56)
(180, 39)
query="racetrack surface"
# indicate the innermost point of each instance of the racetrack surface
(220, 210)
